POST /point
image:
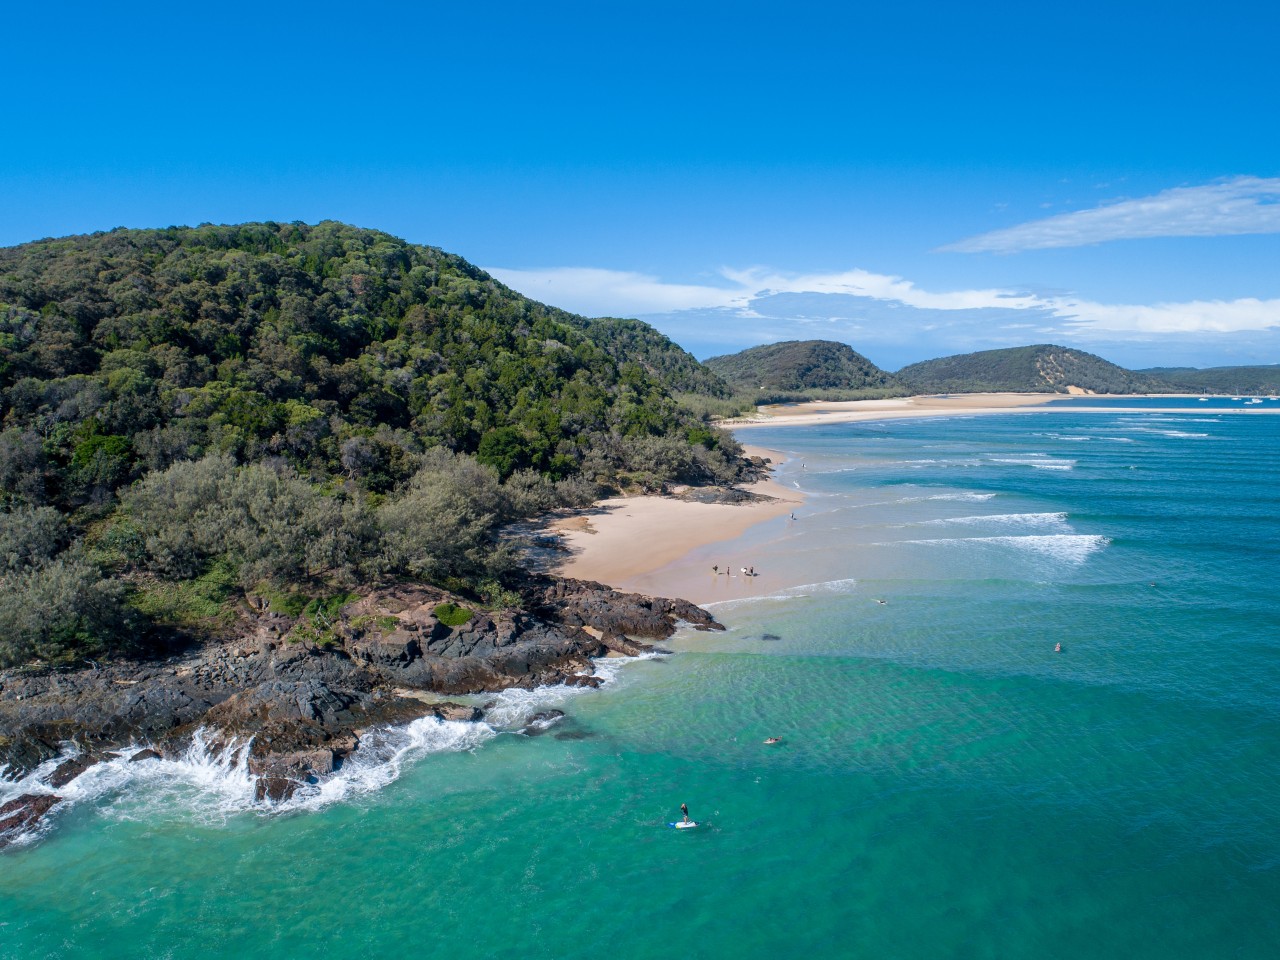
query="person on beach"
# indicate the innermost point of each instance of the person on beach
(751, 571)
(715, 568)
(684, 810)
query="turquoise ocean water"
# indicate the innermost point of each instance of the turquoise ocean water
(947, 786)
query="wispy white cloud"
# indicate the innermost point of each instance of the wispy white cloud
(599, 293)
(1236, 206)
(1246, 315)
(875, 286)
(764, 294)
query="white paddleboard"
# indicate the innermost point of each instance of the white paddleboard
(682, 825)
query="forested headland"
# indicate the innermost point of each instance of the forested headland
(280, 412)
(1043, 368)
(804, 370)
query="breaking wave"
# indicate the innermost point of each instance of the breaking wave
(211, 780)
(1039, 463)
(790, 593)
(1074, 548)
(960, 497)
(1010, 519)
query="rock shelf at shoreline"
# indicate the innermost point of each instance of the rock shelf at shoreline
(303, 708)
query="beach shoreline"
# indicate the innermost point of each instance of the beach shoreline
(969, 404)
(644, 544)
(624, 541)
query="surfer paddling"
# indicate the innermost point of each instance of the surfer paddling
(773, 740)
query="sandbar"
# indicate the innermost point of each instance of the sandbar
(969, 404)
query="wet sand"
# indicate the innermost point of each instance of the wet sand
(621, 540)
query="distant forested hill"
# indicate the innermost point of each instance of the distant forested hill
(796, 369)
(193, 412)
(1038, 369)
(1227, 380)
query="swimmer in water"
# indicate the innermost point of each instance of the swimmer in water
(774, 740)
(1057, 647)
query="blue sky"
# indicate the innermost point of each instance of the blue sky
(913, 179)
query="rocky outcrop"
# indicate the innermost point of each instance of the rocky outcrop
(22, 814)
(582, 603)
(541, 722)
(304, 705)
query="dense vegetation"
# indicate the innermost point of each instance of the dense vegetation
(190, 415)
(1235, 381)
(632, 341)
(805, 369)
(1038, 369)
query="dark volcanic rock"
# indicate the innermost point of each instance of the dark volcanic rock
(274, 789)
(457, 711)
(305, 708)
(68, 770)
(582, 603)
(541, 722)
(147, 754)
(21, 814)
(626, 646)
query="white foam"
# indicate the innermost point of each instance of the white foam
(790, 593)
(1069, 547)
(1007, 519)
(961, 497)
(1039, 463)
(510, 708)
(1166, 433)
(1168, 419)
(211, 782)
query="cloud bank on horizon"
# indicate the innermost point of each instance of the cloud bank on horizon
(879, 310)
(1240, 205)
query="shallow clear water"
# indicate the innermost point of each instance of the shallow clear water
(947, 785)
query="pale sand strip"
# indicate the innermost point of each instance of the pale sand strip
(623, 538)
(973, 404)
(636, 543)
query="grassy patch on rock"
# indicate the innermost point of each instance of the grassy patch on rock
(452, 615)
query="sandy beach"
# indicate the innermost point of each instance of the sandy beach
(622, 540)
(643, 543)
